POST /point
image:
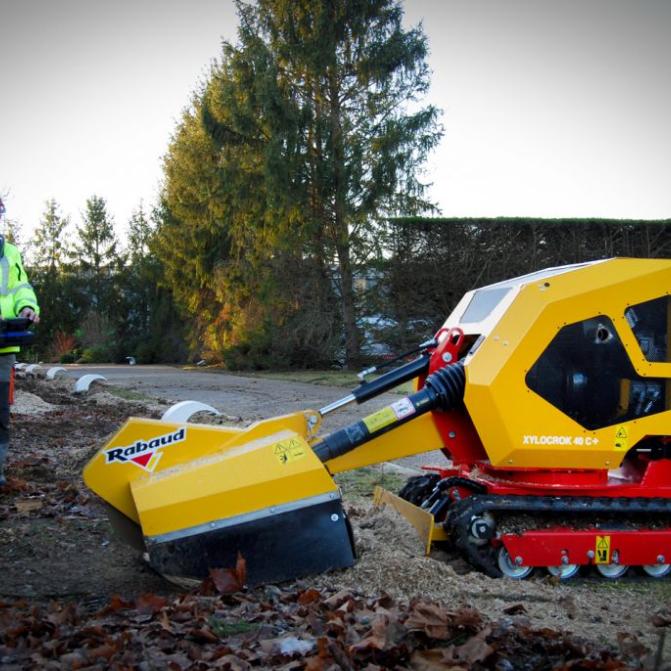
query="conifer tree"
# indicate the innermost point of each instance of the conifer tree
(348, 73)
(140, 276)
(139, 233)
(192, 240)
(307, 136)
(49, 245)
(96, 252)
(60, 293)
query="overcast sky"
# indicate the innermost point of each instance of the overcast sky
(551, 109)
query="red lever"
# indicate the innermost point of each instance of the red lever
(447, 351)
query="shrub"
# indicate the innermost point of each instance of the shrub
(63, 344)
(98, 354)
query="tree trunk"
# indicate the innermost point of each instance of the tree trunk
(341, 229)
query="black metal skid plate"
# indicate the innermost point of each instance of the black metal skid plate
(283, 546)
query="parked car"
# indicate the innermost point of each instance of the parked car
(373, 330)
(383, 337)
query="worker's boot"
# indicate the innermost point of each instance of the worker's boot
(3, 457)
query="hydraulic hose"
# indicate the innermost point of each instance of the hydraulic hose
(393, 378)
(443, 390)
(367, 390)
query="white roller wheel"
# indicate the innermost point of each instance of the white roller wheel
(33, 369)
(563, 572)
(510, 569)
(612, 571)
(182, 411)
(657, 570)
(52, 373)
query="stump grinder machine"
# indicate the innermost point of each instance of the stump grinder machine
(549, 396)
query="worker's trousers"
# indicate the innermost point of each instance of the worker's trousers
(6, 365)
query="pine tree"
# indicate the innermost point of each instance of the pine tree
(49, 245)
(306, 137)
(140, 278)
(139, 234)
(96, 250)
(192, 240)
(59, 291)
(350, 73)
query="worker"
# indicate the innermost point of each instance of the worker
(17, 299)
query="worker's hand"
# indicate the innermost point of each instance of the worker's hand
(29, 313)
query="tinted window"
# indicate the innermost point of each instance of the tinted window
(650, 323)
(585, 372)
(482, 304)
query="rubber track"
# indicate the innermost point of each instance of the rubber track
(458, 481)
(483, 556)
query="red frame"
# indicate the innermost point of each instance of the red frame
(547, 547)
(651, 479)
(640, 477)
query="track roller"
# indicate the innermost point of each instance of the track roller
(563, 572)
(612, 571)
(657, 570)
(512, 569)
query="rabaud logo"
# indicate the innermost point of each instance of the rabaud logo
(144, 453)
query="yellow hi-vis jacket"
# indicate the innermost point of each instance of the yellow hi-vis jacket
(16, 292)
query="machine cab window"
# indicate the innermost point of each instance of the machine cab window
(586, 373)
(650, 323)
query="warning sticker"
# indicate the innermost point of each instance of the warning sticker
(289, 450)
(403, 408)
(378, 420)
(602, 550)
(621, 438)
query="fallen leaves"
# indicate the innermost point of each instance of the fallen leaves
(24, 506)
(222, 627)
(662, 618)
(229, 581)
(150, 604)
(438, 623)
(48, 499)
(302, 629)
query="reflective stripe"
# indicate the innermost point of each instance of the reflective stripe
(4, 268)
(20, 295)
(18, 287)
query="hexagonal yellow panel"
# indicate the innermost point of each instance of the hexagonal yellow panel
(559, 378)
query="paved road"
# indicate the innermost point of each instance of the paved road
(249, 398)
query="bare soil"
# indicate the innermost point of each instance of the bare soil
(56, 543)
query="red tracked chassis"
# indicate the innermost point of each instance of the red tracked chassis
(646, 479)
(627, 536)
(564, 545)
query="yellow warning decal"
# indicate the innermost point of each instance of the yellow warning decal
(602, 550)
(378, 420)
(289, 450)
(621, 438)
